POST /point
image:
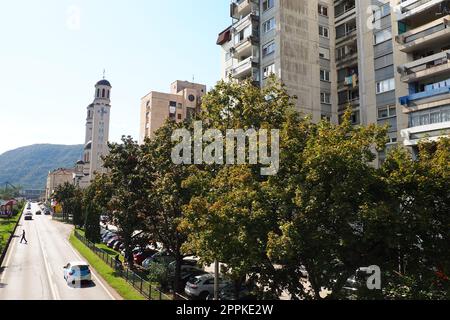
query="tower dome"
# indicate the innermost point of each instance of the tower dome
(103, 82)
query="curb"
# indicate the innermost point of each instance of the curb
(5, 250)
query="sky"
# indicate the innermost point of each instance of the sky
(52, 52)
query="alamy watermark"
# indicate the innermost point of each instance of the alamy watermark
(191, 149)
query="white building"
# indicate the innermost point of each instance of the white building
(97, 134)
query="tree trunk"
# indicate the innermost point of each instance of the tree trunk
(178, 262)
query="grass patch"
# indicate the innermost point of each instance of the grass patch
(106, 272)
(6, 228)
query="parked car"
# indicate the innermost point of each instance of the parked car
(200, 287)
(112, 241)
(108, 237)
(117, 245)
(228, 293)
(47, 212)
(161, 257)
(140, 256)
(39, 212)
(28, 216)
(185, 277)
(77, 271)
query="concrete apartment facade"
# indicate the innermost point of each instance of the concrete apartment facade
(181, 103)
(341, 53)
(422, 46)
(56, 178)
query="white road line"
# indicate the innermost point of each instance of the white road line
(98, 280)
(53, 288)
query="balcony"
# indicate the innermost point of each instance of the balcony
(246, 47)
(410, 8)
(241, 8)
(244, 69)
(436, 92)
(412, 136)
(250, 19)
(430, 66)
(424, 36)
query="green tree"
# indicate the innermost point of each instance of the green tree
(95, 201)
(419, 266)
(71, 198)
(232, 213)
(126, 192)
(165, 194)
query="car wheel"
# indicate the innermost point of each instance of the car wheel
(204, 295)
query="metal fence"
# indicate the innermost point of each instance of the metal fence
(143, 286)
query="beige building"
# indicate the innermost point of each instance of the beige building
(181, 103)
(56, 178)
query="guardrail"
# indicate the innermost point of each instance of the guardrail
(142, 286)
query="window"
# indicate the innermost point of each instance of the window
(323, 10)
(268, 48)
(270, 69)
(227, 56)
(325, 97)
(103, 93)
(324, 75)
(269, 25)
(324, 53)
(387, 112)
(385, 85)
(383, 35)
(268, 4)
(179, 116)
(324, 32)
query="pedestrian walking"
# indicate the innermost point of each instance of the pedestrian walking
(23, 237)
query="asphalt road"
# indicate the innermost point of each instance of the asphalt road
(34, 271)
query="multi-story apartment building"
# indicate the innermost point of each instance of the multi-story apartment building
(422, 42)
(341, 53)
(56, 178)
(282, 37)
(181, 103)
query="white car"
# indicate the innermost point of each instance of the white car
(203, 286)
(77, 271)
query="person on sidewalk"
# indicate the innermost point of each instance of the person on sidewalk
(23, 237)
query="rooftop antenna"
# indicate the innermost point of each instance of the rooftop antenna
(104, 71)
(193, 78)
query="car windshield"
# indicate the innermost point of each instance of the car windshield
(81, 268)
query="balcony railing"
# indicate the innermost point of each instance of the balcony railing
(410, 8)
(428, 66)
(432, 90)
(423, 35)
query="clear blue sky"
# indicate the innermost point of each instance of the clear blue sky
(49, 66)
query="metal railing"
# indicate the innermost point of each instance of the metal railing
(144, 287)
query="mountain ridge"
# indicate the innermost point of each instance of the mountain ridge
(29, 166)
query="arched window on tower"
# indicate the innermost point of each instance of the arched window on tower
(98, 93)
(103, 93)
(108, 94)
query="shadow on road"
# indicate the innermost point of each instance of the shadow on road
(83, 285)
(3, 285)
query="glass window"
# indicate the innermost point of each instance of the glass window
(268, 48)
(269, 25)
(268, 4)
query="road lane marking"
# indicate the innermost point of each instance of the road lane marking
(53, 288)
(98, 280)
